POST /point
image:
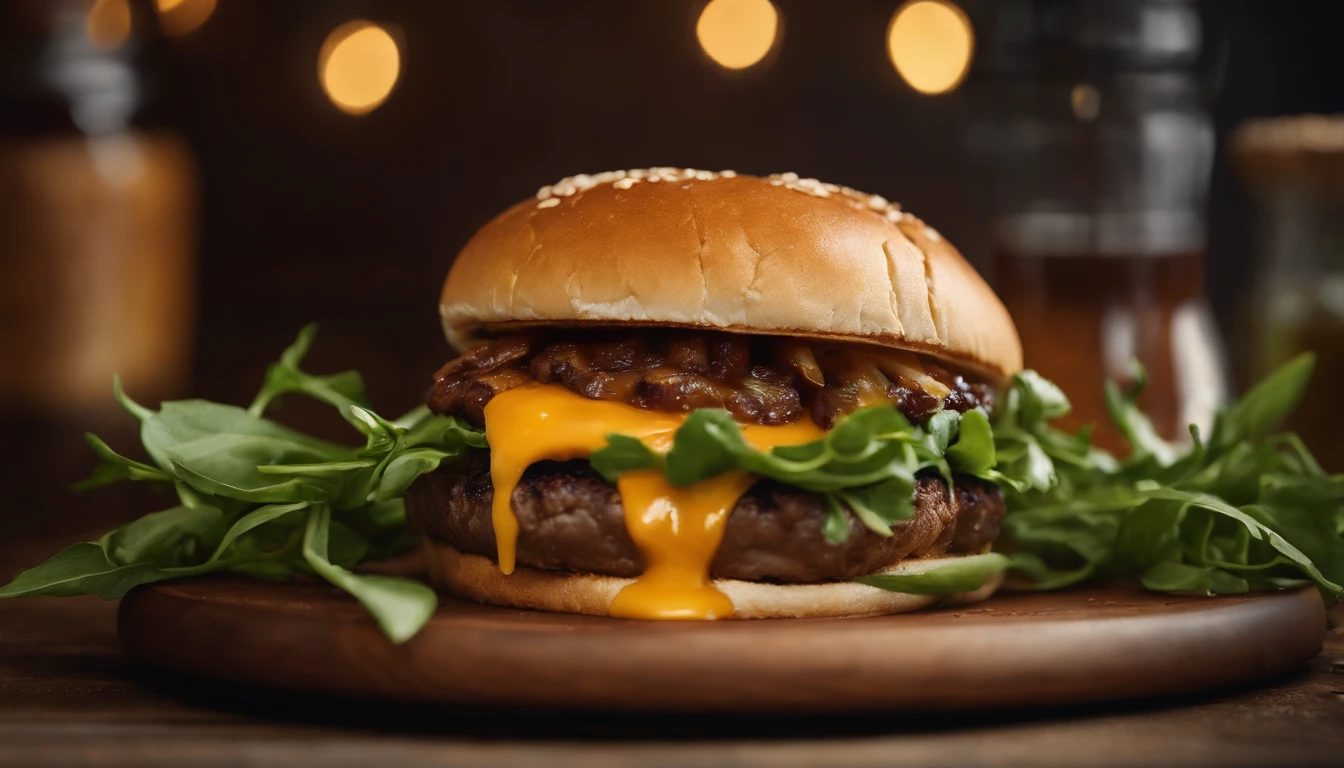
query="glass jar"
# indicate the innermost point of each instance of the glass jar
(98, 227)
(1099, 151)
(1295, 170)
(97, 253)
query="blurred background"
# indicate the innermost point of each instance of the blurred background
(185, 183)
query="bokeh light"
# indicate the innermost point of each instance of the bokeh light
(359, 66)
(180, 17)
(1085, 101)
(930, 43)
(109, 24)
(737, 33)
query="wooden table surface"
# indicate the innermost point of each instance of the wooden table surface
(69, 697)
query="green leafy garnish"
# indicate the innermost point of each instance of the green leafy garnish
(867, 462)
(261, 499)
(1245, 509)
(401, 606)
(1242, 509)
(942, 577)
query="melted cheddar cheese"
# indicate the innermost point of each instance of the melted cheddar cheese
(677, 530)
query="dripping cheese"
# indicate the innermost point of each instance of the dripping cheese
(677, 530)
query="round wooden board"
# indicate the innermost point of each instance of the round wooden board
(1015, 649)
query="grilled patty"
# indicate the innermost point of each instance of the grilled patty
(571, 520)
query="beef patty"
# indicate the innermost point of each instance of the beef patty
(570, 519)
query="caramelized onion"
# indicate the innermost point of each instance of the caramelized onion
(798, 356)
(488, 357)
(904, 365)
(758, 380)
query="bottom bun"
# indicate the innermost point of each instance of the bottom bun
(478, 578)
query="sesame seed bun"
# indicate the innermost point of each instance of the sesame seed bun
(478, 578)
(728, 252)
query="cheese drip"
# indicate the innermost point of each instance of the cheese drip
(677, 530)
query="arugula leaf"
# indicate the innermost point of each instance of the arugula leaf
(137, 411)
(341, 390)
(623, 454)
(973, 452)
(220, 447)
(254, 519)
(81, 569)
(1036, 400)
(708, 443)
(1266, 404)
(880, 504)
(263, 500)
(1024, 465)
(403, 470)
(425, 428)
(400, 606)
(1134, 424)
(869, 446)
(1172, 576)
(115, 467)
(942, 430)
(941, 577)
(836, 527)
(1243, 510)
(172, 537)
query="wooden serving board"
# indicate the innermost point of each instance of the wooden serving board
(1015, 649)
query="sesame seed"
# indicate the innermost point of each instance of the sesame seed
(932, 234)
(626, 179)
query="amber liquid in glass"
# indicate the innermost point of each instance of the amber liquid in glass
(1083, 317)
(1314, 329)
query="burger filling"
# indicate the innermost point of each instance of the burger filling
(760, 380)
(546, 405)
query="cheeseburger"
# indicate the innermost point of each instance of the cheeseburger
(611, 307)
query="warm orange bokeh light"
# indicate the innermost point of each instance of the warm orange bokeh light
(737, 33)
(359, 66)
(930, 43)
(109, 24)
(179, 17)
